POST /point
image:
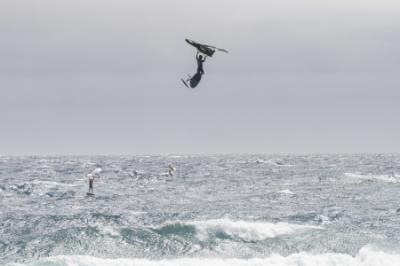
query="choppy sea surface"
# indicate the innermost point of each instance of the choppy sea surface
(214, 210)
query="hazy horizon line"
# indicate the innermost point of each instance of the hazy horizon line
(198, 154)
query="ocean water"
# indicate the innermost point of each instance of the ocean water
(214, 210)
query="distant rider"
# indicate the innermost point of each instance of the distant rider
(91, 180)
(200, 60)
(171, 170)
(95, 173)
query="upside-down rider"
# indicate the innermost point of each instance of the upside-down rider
(195, 79)
(200, 60)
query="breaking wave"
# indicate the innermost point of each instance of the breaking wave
(383, 178)
(244, 230)
(367, 256)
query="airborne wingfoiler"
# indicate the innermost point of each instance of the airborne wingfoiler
(203, 51)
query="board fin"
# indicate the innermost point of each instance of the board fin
(184, 82)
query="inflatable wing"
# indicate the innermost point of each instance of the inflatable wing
(204, 48)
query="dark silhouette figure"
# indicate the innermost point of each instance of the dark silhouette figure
(200, 60)
(195, 80)
(91, 180)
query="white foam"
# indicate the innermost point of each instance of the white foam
(108, 230)
(52, 183)
(164, 174)
(286, 191)
(248, 231)
(365, 257)
(278, 163)
(384, 178)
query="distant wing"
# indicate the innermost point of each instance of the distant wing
(96, 172)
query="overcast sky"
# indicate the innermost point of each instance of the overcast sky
(103, 77)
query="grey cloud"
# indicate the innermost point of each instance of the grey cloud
(302, 76)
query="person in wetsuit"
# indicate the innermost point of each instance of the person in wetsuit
(94, 174)
(91, 180)
(200, 60)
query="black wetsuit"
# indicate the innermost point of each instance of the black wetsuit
(91, 185)
(200, 62)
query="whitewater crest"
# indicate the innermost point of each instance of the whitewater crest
(367, 256)
(370, 177)
(245, 230)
